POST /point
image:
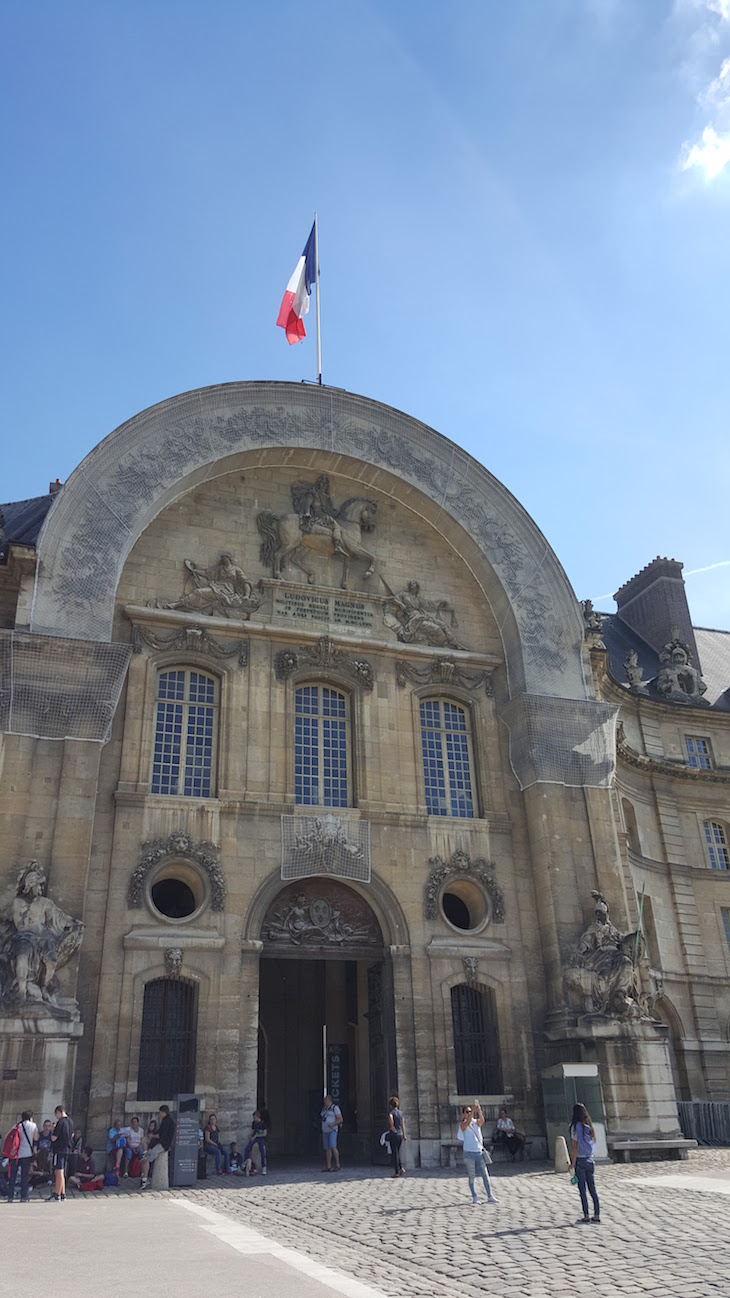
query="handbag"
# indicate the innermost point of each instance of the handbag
(487, 1156)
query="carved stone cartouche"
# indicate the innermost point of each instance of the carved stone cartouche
(323, 654)
(677, 680)
(323, 914)
(325, 845)
(37, 939)
(601, 977)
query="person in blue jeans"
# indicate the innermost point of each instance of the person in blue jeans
(583, 1161)
(470, 1132)
(212, 1145)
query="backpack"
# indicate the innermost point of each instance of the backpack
(11, 1148)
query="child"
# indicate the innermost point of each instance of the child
(116, 1144)
(235, 1159)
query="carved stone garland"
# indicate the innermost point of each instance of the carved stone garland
(191, 638)
(460, 865)
(444, 671)
(323, 654)
(180, 845)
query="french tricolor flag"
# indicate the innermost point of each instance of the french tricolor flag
(295, 302)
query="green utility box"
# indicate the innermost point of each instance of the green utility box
(564, 1085)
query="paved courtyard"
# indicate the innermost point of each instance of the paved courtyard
(665, 1232)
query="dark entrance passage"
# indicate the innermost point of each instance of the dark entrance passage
(298, 998)
(325, 1012)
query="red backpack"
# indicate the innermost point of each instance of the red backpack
(11, 1148)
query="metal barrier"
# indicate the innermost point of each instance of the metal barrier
(705, 1121)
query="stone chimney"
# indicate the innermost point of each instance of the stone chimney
(654, 604)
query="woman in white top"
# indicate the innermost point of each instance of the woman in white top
(470, 1129)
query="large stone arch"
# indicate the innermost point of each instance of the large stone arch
(378, 896)
(162, 453)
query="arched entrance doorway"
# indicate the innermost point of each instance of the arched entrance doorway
(325, 1018)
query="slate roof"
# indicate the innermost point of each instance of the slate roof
(713, 648)
(23, 519)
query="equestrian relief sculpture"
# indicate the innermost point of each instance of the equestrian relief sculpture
(318, 527)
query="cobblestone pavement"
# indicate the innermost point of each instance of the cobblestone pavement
(665, 1229)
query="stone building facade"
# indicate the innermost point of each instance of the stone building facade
(316, 752)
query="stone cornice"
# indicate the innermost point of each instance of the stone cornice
(659, 766)
(346, 637)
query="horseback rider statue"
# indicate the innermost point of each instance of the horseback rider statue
(317, 515)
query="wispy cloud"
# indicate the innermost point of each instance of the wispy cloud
(711, 153)
(723, 563)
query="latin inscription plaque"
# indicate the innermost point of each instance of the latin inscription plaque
(333, 610)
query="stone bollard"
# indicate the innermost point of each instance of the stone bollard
(562, 1162)
(160, 1179)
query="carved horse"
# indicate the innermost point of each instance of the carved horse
(283, 538)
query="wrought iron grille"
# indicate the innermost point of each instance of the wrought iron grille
(476, 1042)
(167, 1044)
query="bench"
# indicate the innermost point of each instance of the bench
(645, 1150)
(500, 1152)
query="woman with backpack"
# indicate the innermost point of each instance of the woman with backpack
(583, 1161)
(20, 1144)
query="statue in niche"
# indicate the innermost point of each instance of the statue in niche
(37, 939)
(602, 977)
(222, 589)
(416, 620)
(316, 525)
(677, 680)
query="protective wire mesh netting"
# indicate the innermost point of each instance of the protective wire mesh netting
(561, 741)
(325, 845)
(53, 688)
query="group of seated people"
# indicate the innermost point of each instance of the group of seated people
(231, 1160)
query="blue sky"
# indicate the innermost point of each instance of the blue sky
(524, 239)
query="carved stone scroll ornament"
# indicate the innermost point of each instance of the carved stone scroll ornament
(444, 671)
(418, 621)
(182, 847)
(221, 590)
(317, 527)
(37, 939)
(460, 865)
(323, 654)
(324, 915)
(601, 977)
(471, 970)
(173, 961)
(325, 845)
(194, 639)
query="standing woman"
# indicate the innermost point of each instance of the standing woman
(583, 1161)
(470, 1127)
(396, 1135)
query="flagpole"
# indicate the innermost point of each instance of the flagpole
(316, 283)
